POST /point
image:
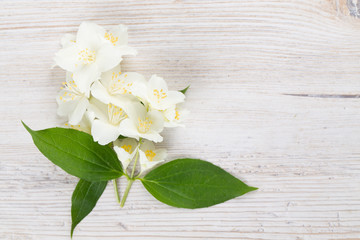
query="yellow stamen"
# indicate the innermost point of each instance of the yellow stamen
(159, 94)
(86, 56)
(127, 148)
(177, 115)
(150, 155)
(111, 38)
(144, 125)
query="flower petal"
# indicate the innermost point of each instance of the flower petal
(157, 121)
(128, 129)
(107, 57)
(90, 35)
(123, 156)
(156, 82)
(85, 77)
(67, 58)
(98, 109)
(119, 33)
(76, 116)
(152, 136)
(107, 77)
(175, 97)
(161, 154)
(145, 163)
(67, 39)
(127, 142)
(103, 132)
(66, 108)
(147, 145)
(99, 92)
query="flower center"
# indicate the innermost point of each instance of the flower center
(144, 125)
(119, 86)
(150, 155)
(116, 114)
(127, 148)
(87, 56)
(159, 94)
(72, 91)
(111, 38)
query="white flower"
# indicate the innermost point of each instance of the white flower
(108, 123)
(173, 116)
(115, 87)
(156, 93)
(143, 124)
(125, 150)
(72, 102)
(85, 124)
(149, 156)
(93, 52)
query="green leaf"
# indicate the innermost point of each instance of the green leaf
(193, 183)
(84, 199)
(185, 89)
(77, 154)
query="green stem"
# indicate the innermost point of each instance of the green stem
(134, 167)
(116, 191)
(131, 179)
(123, 200)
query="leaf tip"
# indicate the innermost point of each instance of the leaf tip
(72, 231)
(250, 189)
(26, 127)
(185, 89)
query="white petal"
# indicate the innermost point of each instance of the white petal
(145, 163)
(99, 92)
(106, 77)
(98, 109)
(152, 136)
(76, 116)
(107, 57)
(86, 76)
(147, 145)
(67, 58)
(127, 141)
(156, 82)
(122, 101)
(170, 113)
(157, 121)
(66, 108)
(139, 89)
(175, 97)
(133, 77)
(129, 129)
(160, 154)
(86, 122)
(119, 32)
(90, 35)
(135, 111)
(67, 40)
(123, 156)
(103, 132)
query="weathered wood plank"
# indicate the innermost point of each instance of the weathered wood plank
(274, 98)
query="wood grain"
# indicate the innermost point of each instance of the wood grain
(274, 99)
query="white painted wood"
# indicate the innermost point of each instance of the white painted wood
(274, 99)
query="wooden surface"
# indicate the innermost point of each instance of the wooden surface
(275, 88)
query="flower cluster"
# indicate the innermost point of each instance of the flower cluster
(115, 107)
